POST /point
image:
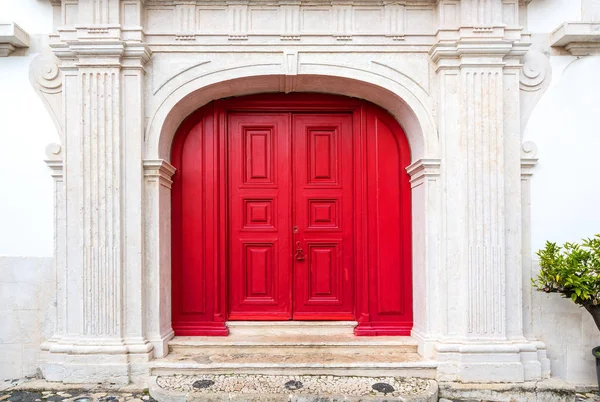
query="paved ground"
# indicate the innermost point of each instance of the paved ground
(31, 390)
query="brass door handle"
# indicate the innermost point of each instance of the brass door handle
(299, 252)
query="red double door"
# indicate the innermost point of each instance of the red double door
(290, 207)
(290, 182)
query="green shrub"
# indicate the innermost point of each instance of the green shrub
(573, 270)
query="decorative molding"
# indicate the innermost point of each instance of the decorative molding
(528, 158)
(46, 78)
(12, 36)
(290, 67)
(159, 170)
(422, 169)
(536, 67)
(475, 52)
(238, 22)
(534, 79)
(54, 160)
(580, 38)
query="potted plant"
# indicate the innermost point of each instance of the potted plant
(573, 270)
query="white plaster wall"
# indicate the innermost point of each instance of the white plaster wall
(26, 128)
(547, 15)
(565, 202)
(26, 199)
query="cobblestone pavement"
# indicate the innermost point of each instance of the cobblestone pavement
(16, 390)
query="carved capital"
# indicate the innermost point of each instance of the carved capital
(422, 169)
(475, 52)
(54, 160)
(159, 170)
(528, 158)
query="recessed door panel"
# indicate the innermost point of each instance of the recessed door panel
(322, 183)
(259, 217)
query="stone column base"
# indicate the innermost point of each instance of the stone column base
(77, 360)
(492, 362)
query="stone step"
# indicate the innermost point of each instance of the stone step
(291, 344)
(250, 328)
(281, 387)
(310, 361)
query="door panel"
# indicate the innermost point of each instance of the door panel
(259, 212)
(322, 182)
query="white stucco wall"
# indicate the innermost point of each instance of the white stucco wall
(26, 199)
(26, 127)
(565, 197)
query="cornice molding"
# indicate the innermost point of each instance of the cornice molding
(12, 36)
(528, 158)
(421, 169)
(54, 160)
(483, 52)
(580, 38)
(159, 169)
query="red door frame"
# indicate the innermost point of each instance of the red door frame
(200, 222)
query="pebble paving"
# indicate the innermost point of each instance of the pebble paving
(305, 384)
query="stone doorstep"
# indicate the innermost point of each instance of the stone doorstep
(161, 394)
(294, 353)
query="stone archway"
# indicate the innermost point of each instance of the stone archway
(190, 95)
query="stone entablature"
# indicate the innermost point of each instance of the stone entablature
(123, 76)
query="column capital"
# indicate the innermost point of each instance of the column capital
(528, 158)
(159, 169)
(477, 52)
(421, 169)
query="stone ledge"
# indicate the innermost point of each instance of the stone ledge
(577, 37)
(12, 36)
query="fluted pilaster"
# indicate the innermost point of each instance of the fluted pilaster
(100, 334)
(477, 59)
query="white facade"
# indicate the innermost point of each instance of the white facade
(420, 60)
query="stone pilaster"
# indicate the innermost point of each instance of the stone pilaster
(477, 61)
(428, 280)
(157, 175)
(101, 331)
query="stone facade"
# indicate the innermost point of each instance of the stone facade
(461, 76)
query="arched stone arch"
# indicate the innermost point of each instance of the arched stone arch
(405, 100)
(181, 95)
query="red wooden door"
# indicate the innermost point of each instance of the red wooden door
(290, 239)
(323, 243)
(259, 213)
(253, 170)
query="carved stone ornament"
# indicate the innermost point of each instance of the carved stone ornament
(528, 158)
(536, 68)
(534, 79)
(46, 78)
